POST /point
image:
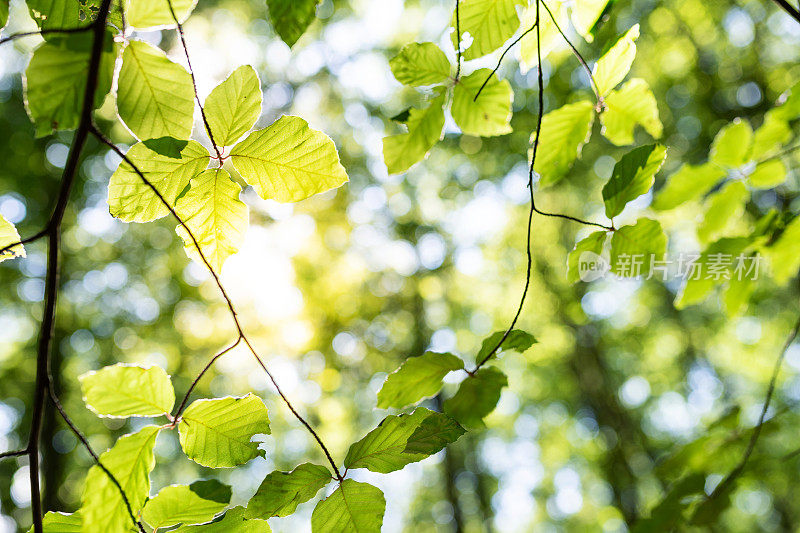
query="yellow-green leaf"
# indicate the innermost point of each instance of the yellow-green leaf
(402, 151)
(612, 68)
(288, 161)
(54, 522)
(130, 461)
(768, 174)
(281, 492)
(635, 248)
(490, 114)
(218, 433)
(731, 146)
(417, 378)
(122, 390)
(489, 22)
(155, 97)
(52, 14)
(420, 64)
(770, 136)
(233, 521)
(8, 236)
(152, 13)
(548, 33)
(168, 164)
(585, 14)
(633, 176)
(215, 215)
(291, 18)
(353, 507)
(477, 396)
(710, 270)
(186, 504)
(723, 209)
(784, 253)
(631, 105)
(594, 244)
(688, 183)
(234, 106)
(563, 134)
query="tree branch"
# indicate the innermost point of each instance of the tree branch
(44, 31)
(789, 8)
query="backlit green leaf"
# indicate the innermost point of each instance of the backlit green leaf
(723, 209)
(217, 218)
(281, 492)
(489, 22)
(631, 105)
(477, 396)
(612, 68)
(122, 390)
(773, 133)
(731, 146)
(768, 174)
(152, 13)
(288, 161)
(563, 134)
(703, 277)
(155, 97)
(130, 461)
(218, 433)
(433, 434)
(186, 504)
(234, 106)
(688, 183)
(8, 236)
(593, 243)
(516, 340)
(632, 177)
(233, 521)
(55, 80)
(417, 378)
(585, 15)
(737, 294)
(635, 248)
(353, 507)
(52, 14)
(291, 18)
(61, 523)
(402, 151)
(420, 64)
(3, 13)
(548, 33)
(168, 164)
(490, 114)
(784, 253)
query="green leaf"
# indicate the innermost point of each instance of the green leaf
(635, 248)
(737, 294)
(789, 104)
(217, 433)
(291, 18)
(54, 522)
(52, 14)
(633, 175)
(186, 504)
(770, 136)
(688, 183)
(593, 243)
(152, 13)
(281, 492)
(433, 434)
(352, 508)
(784, 253)
(490, 23)
(122, 390)
(402, 151)
(217, 218)
(731, 146)
(420, 64)
(3, 13)
(768, 174)
(168, 164)
(517, 340)
(55, 80)
(700, 282)
(490, 114)
(723, 209)
(130, 461)
(612, 68)
(9, 235)
(631, 105)
(233, 521)
(155, 97)
(666, 516)
(477, 396)
(384, 448)
(548, 33)
(417, 378)
(585, 15)
(234, 106)
(288, 161)
(563, 134)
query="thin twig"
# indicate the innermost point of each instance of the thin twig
(458, 42)
(500, 60)
(44, 31)
(739, 468)
(14, 453)
(791, 10)
(228, 301)
(208, 366)
(81, 437)
(574, 219)
(194, 82)
(34, 237)
(529, 267)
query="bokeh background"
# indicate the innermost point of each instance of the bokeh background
(339, 289)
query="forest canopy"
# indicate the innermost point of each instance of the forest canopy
(399, 265)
